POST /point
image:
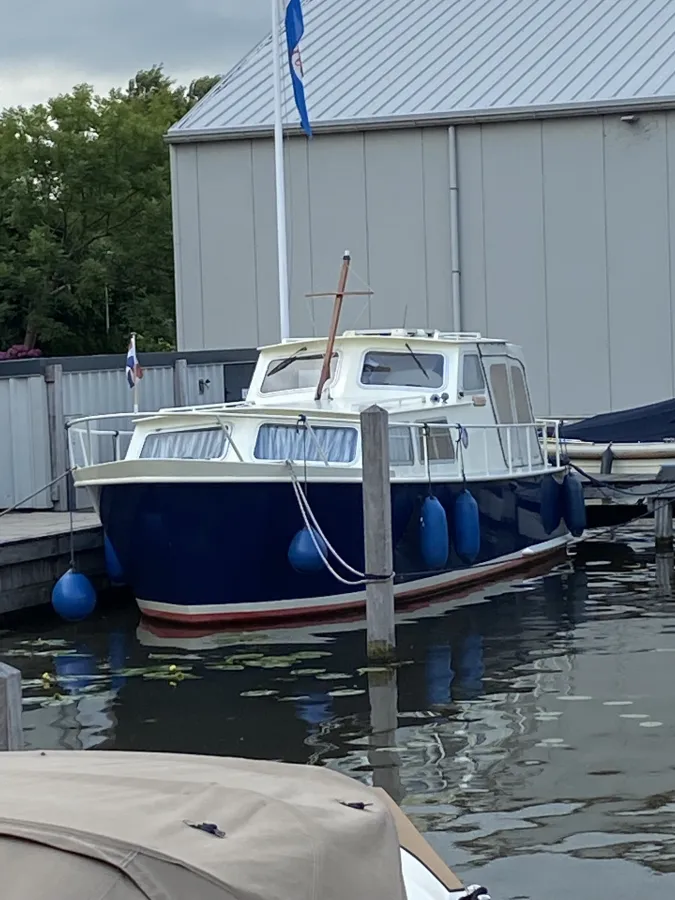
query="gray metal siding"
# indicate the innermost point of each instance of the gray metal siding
(25, 462)
(565, 248)
(382, 196)
(187, 247)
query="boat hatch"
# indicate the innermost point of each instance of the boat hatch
(318, 443)
(199, 443)
(403, 369)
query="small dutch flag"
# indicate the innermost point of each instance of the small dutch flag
(134, 370)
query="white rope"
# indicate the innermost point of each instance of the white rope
(307, 515)
(302, 499)
(324, 559)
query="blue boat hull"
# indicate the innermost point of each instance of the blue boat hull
(219, 551)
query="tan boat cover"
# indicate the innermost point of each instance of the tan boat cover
(100, 825)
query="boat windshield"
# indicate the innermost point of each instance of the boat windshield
(294, 373)
(410, 369)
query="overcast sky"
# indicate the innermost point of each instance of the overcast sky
(46, 47)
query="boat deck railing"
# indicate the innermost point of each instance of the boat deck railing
(480, 450)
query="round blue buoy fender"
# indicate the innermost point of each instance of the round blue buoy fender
(112, 563)
(467, 527)
(550, 504)
(434, 534)
(302, 553)
(574, 506)
(73, 596)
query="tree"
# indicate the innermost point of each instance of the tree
(85, 217)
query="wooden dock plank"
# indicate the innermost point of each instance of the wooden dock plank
(20, 526)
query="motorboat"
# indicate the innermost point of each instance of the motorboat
(254, 509)
(164, 826)
(628, 445)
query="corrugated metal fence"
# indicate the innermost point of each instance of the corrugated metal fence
(29, 457)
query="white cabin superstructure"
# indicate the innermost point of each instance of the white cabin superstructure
(458, 404)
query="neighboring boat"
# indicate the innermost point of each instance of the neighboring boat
(633, 444)
(636, 441)
(254, 509)
(171, 826)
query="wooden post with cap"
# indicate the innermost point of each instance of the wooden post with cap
(379, 556)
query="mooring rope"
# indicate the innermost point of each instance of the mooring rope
(310, 520)
(35, 493)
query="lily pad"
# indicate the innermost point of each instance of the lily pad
(310, 654)
(346, 692)
(332, 676)
(258, 693)
(225, 667)
(307, 671)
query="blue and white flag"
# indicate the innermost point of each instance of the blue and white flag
(134, 371)
(295, 28)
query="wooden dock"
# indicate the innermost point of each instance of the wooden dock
(35, 552)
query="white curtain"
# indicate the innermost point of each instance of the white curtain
(400, 446)
(297, 443)
(201, 444)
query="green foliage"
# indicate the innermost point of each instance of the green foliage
(85, 215)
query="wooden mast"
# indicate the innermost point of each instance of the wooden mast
(339, 295)
(335, 321)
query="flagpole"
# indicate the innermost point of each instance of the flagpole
(135, 388)
(282, 247)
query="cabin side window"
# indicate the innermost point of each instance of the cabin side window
(520, 394)
(292, 373)
(401, 451)
(202, 443)
(318, 444)
(439, 440)
(396, 369)
(499, 382)
(472, 380)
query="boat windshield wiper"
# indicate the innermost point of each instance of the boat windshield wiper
(286, 362)
(419, 364)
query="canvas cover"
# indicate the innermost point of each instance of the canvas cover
(83, 825)
(641, 424)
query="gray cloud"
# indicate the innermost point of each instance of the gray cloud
(109, 40)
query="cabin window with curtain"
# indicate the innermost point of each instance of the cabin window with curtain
(401, 452)
(472, 380)
(202, 443)
(293, 373)
(440, 441)
(397, 369)
(334, 444)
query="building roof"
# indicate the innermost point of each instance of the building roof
(379, 62)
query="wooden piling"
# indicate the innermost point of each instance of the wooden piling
(11, 726)
(58, 439)
(180, 383)
(381, 632)
(663, 525)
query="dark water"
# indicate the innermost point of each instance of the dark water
(534, 740)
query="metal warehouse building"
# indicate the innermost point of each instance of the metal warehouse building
(503, 166)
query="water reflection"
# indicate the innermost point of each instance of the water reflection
(528, 729)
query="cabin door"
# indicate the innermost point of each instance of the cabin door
(513, 411)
